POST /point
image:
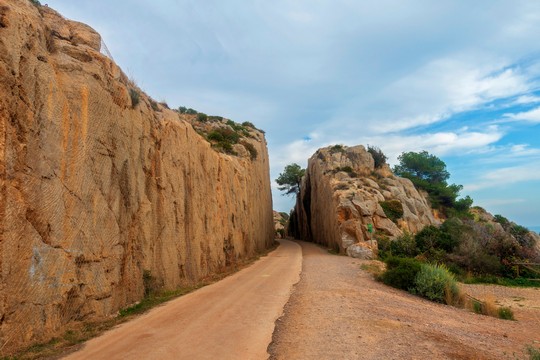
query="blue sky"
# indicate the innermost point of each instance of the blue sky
(459, 79)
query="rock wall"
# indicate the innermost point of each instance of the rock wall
(341, 197)
(102, 187)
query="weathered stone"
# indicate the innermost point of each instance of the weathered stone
(336, 211)
(99, 194)
(361, 251)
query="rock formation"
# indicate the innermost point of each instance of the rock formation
(343, 196)
(280, 220)
(102, 187)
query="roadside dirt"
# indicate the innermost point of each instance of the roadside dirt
(231, 319)
(338, 311)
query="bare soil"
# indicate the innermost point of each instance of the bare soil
(338, 311)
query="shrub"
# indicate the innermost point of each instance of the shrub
(215, 136)
(251, 149)
(404, 245)
(534, 353)
(337, 148)
(506, 313)
(191, 111)
(378, 156)
(349, 170)
(248, 124)
(393, 209)
(401, 272)
(135, 97)
(436, 283)
(202, 117)
(154, 105)
(182, 109)
(432, 237)
(35, 3)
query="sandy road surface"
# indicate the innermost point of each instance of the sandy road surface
(231, 319)
(337, 311)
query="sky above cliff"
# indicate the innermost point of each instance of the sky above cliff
(459, 79)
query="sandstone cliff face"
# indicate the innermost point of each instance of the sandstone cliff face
(98, 189)
(342, 193)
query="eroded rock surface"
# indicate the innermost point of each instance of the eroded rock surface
(103, 192)
(342, 197)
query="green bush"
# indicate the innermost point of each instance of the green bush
(393, 209)
(191, 111)
(182, 109)
(135, 97)
(506, 313)
(154, 105)
(401, 272)
(337, 148)
(404, 245)
(248, 124)
(215, 136)
(436, 283)
(432, 237)
(35, 3)
(251, 149)
(534, 353)
(202, 117)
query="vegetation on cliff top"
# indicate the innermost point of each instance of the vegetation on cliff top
(222, 133)
(429, 173)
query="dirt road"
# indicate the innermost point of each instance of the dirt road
(337, 311)
(231, 319)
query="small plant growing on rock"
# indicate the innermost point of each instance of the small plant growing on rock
(35, 3)
(393, 209)
(154, 105)
(349, 170)
(135, 97)
(506, 313)
(378, 156)
(202, 117)
(251, 149)
(534, 353)
(337, 148)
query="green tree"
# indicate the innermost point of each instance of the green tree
(421, 167)
(429, 173)
(289, 180)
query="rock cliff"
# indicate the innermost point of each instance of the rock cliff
(102, 187)
(343, 196)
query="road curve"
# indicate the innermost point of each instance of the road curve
(231, 319)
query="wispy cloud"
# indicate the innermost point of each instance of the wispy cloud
(532, 116)
(506, 176)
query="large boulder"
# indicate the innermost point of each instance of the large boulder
(347, 203)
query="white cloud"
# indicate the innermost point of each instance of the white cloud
(526, 99)
(528, 116)
(506, 176)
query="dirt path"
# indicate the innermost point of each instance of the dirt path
(337, 311)
(231, 319)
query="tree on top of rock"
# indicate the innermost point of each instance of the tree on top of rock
(429, 173)
(289, 180)
(421, 167)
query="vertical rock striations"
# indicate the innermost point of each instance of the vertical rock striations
(343, 196)
(102, 188)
